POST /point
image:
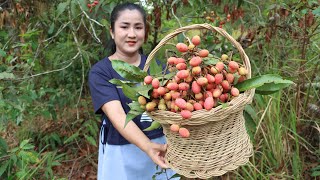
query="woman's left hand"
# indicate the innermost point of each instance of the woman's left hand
(156, 152)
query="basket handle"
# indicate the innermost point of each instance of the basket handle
(221, 31)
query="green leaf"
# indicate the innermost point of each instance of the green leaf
(5, 75)
(2, 53)
(273, 86)
(129, 92)
(61, 8)
(316, 12)
(29, 156)
(3, 146)
(169, 75)
(251, 112)
(210, 60)
(315, 173)
(130, 115)
(23, 143)
(143, 90)
(55, 163)
(175, 176)
(28, 146)
(128, 71)
(154, 125)
(180, 37)
(155, 68)
(51, 28)
(91, 140)
(135, 106)
(121, 82)
(73, 8)
(4, 167)
(259, 81)
(71, 138)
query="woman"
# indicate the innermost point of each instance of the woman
(125, 153)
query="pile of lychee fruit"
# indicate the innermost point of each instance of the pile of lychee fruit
(196, 84)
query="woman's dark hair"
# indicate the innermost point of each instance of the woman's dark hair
(114, 16)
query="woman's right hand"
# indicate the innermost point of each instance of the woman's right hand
(156, 152)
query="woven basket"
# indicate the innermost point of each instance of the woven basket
(218, 140)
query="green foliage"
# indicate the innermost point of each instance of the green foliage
(47, 50)
(264, 84)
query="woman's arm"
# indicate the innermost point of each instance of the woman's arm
(133, 134)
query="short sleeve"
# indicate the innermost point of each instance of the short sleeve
(102, 91)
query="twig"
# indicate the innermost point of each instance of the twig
(94, 34)
(70, 174)
(58, 32)
(264, 113)
(179, 23)
(47, 72)
(88, 15)
(256, 6)
(81, 57)
(301, 144)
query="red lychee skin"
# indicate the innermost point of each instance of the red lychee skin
(202, 81)
(195, 61)
(198, 96)
(181, 66)
(225, 85)
(196, 40)
(171, 60)
(210, 86)
(195, 87)
(183, 132)
(241, 79)
(175, 128)
(184, 86)
(208, 94)
(181, 103)
(155, 83)
(172, 86)
(180, 60)
(216, 93)
(219, 66)
(182, 74)
(175, 95)
(197, 106)
(186, 114)
(189, 79)
(230, 77)
(208, 103)
(189, 107)
(161, 91)
(234, 92)
(203, 53)
(233, 65)
(182, 47)
(224, 97)
(214, 70)
(196, 70)
(210, 78)
(148, 79)
(218, 78)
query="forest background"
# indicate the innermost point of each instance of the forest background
(48, 129)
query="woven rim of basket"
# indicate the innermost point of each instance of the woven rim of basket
(243, 99)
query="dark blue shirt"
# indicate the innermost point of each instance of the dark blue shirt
(102, 91)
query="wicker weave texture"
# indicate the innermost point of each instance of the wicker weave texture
(218, 140)
(211, 150)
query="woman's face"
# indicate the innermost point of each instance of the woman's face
(129, 32)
